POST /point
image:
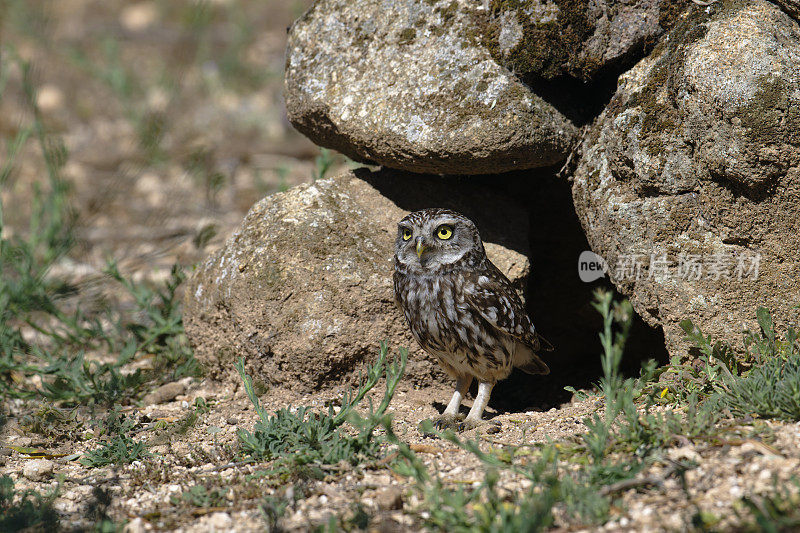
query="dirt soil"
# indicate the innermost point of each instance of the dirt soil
(173, 123)
(142, 492)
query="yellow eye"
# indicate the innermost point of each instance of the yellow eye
(406, 234)
(444, 232)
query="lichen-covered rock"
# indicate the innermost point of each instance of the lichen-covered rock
(689, 182)
(38, 469)
(410, 85)
(791, 7)
(579, 38)
(303, 290)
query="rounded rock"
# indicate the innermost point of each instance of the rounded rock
(303, 289)
(687, 184)
(38, 469)
(410, 85)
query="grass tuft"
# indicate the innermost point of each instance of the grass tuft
(302, 439)
(323, 163)
(26, 510)
(200, 496)
(33, 300)
(779, 511)
(117, 447)
(769, 388)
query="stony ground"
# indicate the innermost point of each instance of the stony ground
(173, 125)
(147, 493)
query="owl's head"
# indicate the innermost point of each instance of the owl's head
(432, 239)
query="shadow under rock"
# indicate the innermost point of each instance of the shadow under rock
(581, 102)
(476, 197)
(560, 304)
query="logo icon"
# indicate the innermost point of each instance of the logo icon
(591, 266)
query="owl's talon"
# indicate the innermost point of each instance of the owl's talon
(443, 422)
(459, 424)
(466, 425)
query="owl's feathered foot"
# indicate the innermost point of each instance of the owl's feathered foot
(452, 420)
(448, 421)
(443, 422)
(459, 424)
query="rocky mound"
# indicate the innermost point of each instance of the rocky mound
(688, 181)
(684, 178)
(410, 85)
(303, 289)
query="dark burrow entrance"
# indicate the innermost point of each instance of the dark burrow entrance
(559, 303)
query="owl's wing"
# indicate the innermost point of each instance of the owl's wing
(396, 283)
(491, 295)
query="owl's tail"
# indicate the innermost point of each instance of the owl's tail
(526, 359)
(544, 344)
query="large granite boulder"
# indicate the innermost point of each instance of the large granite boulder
(411, 85)
(303, 289)
(688, 184)
(578, 38)
(791, 7)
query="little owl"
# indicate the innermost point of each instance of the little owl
(461, 308)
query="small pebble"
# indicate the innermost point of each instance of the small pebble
(138, 16)
(50, 98)
(134, 526)
(24, 442)
(389, 499)
(38, 469)
(164, 393)
(220, 521)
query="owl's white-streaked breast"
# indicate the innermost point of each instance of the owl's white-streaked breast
(449, 329)
(425, 310)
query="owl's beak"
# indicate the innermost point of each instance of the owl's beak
(420, 247)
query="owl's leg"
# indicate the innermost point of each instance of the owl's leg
(462, 386)
(450, 419)
(475, 414)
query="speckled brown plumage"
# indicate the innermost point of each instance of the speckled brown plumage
(460, 307)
